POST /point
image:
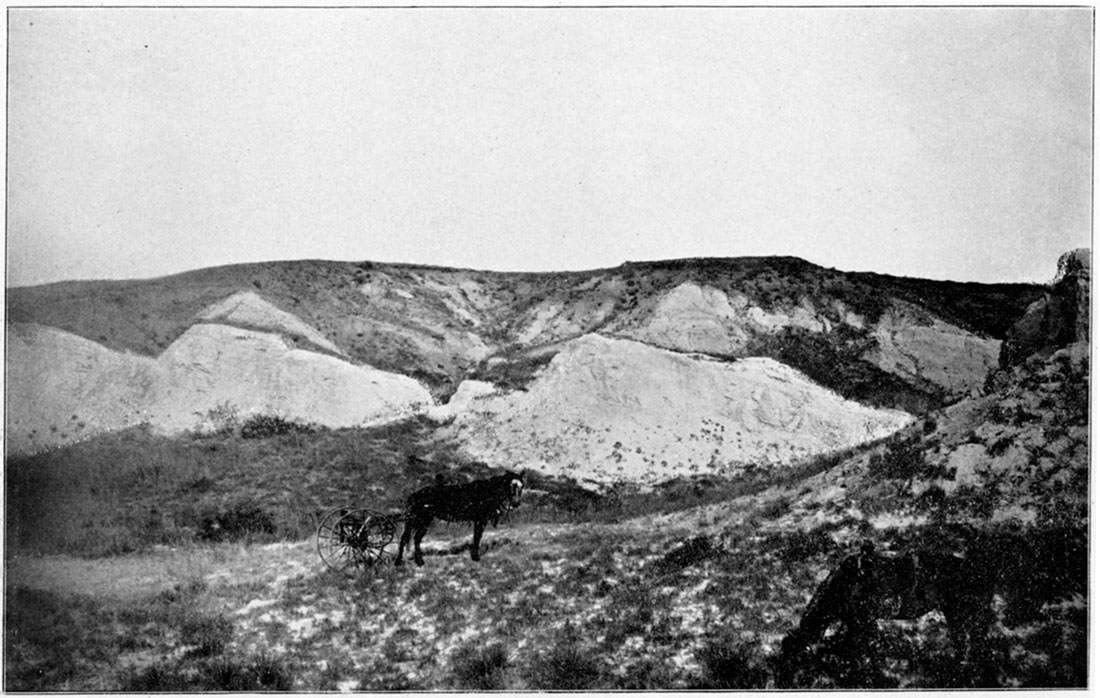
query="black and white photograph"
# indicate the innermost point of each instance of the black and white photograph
(529, 348)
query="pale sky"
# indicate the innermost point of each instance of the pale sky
(947, 143)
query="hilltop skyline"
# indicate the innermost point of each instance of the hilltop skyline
(941, 143)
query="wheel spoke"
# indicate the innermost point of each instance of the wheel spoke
(332, 543)
(355, 537)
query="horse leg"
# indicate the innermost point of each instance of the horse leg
(421, 530)
(405, 535)
(479, 528)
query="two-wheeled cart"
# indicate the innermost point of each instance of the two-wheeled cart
(356, 537)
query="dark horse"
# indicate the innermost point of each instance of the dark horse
(869, 586)
(480, 502)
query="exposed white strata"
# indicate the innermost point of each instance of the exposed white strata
(63, 388)
(697, 318)
(691, 317)
(614, 409)
(258, 373)
(914, 344)
(250, 310)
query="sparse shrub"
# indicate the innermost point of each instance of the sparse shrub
(234, 521)
(208, 635)
(263, 673)
(647, 674)
(692, 552)
(971, 500)
(732, 667)
(268, 673)
(931, 498)
(566, 666)
(480, 668)
(261, 426)
(797, 546)
(155, 679)
(221, 420)
(902, 460)
(775, 508)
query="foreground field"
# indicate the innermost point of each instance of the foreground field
(695, 599)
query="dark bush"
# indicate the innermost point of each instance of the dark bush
(262, 426)
(480, 668)
(797, 546)
(266, 673)
(692, 552)
(208, 636)
(235, 521)
(736, 667)
(260, 674)
(567, 666)
(932, 498)
(775, 508)
(155, 679)
(902, 460)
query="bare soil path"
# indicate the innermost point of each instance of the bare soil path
(142, 574)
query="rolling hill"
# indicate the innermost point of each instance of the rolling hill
(174, 349)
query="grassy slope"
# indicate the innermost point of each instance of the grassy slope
(123, 492)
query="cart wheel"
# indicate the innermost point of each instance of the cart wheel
(334, 544)
(376, 532)
(358, 537)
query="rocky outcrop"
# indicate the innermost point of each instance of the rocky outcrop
(1059, 318)
(918, 346)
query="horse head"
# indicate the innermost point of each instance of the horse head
(515, 489)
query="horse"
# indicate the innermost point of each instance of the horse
(479, 502)
(868, 586)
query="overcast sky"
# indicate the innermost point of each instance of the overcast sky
(944, 143)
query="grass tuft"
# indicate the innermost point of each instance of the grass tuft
(566, 666)
(740, 666)
(480, 668)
